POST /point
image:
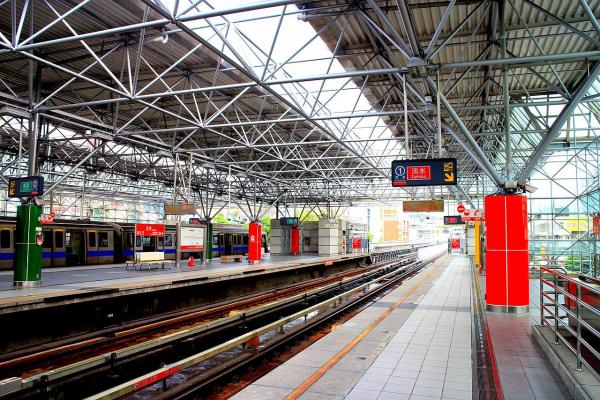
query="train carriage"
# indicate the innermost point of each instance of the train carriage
(73, 243)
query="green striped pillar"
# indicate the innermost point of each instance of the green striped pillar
(209, 241)
(28, 267)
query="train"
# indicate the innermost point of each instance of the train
(83, 242)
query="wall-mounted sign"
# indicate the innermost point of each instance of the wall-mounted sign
(453, 220)
(149, 230)
(288, 221)
(596, 225)
(423, 206)
(191, 238)
(460, 208)
(356, 242)
(431, 172)
(25, 187)
(181, 209)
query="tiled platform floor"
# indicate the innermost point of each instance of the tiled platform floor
(525, 374)
(421, 350)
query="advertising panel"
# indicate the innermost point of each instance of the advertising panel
(191, 238)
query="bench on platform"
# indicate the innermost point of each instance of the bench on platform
(231, 259)
(148, 259)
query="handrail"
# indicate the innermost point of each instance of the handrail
(564, 312)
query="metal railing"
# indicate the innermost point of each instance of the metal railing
(570, 261)
(574, 321)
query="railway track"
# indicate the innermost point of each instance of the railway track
(50, 369)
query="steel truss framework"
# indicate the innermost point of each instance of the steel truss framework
(171, 100)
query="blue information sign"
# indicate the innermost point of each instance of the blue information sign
(25, 187)
(288, 221)
(429, 172)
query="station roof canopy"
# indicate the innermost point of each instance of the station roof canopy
(291, 100)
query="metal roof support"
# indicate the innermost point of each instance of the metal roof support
(471, 153)
(477, 154)
(590, 15)
(556, 127)
(439, 29)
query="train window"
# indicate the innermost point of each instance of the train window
(146, 240)
(245, 238)
(58, 240)
(102, 239)
(160, 241)
(47, 244)
(138, 241)
(215, 239)
(68, 239)
(5, 239)
(168, 240)
(92, 239)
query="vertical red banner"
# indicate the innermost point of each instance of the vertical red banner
(507, 255)
(295, 240)
(254, 242)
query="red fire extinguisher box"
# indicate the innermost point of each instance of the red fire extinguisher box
(507, 255)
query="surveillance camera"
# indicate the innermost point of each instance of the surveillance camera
(528, 188)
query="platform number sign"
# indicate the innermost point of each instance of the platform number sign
(25, 187)
(428, 172)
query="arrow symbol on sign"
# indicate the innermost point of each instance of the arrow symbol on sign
(449, 176)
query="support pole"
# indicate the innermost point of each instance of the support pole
(505, 94)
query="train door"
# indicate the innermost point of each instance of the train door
(59, 251)
(75, 247)
(169, 246)
(92, 247)
(7, 252)
(227, 241)
(47, 245)
(106, 248)
(216, 252)
(128, 245)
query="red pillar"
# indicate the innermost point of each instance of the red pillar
(295, 240)
(507, 255)
(254, 242)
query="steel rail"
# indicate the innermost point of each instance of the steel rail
(11, 386)
(137, 383)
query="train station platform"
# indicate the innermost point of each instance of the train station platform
(70, 283)
(416, 342)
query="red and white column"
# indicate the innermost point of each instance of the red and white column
(507, 254)
(254, 242)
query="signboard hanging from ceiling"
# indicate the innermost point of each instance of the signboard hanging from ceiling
(423, 206)
(288, 221)
(181, 208)
(430, 172)
(25, 187)
(453, 220)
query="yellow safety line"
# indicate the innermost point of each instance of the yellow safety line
(321, 371)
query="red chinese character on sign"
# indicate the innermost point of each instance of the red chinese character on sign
(420, 173)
